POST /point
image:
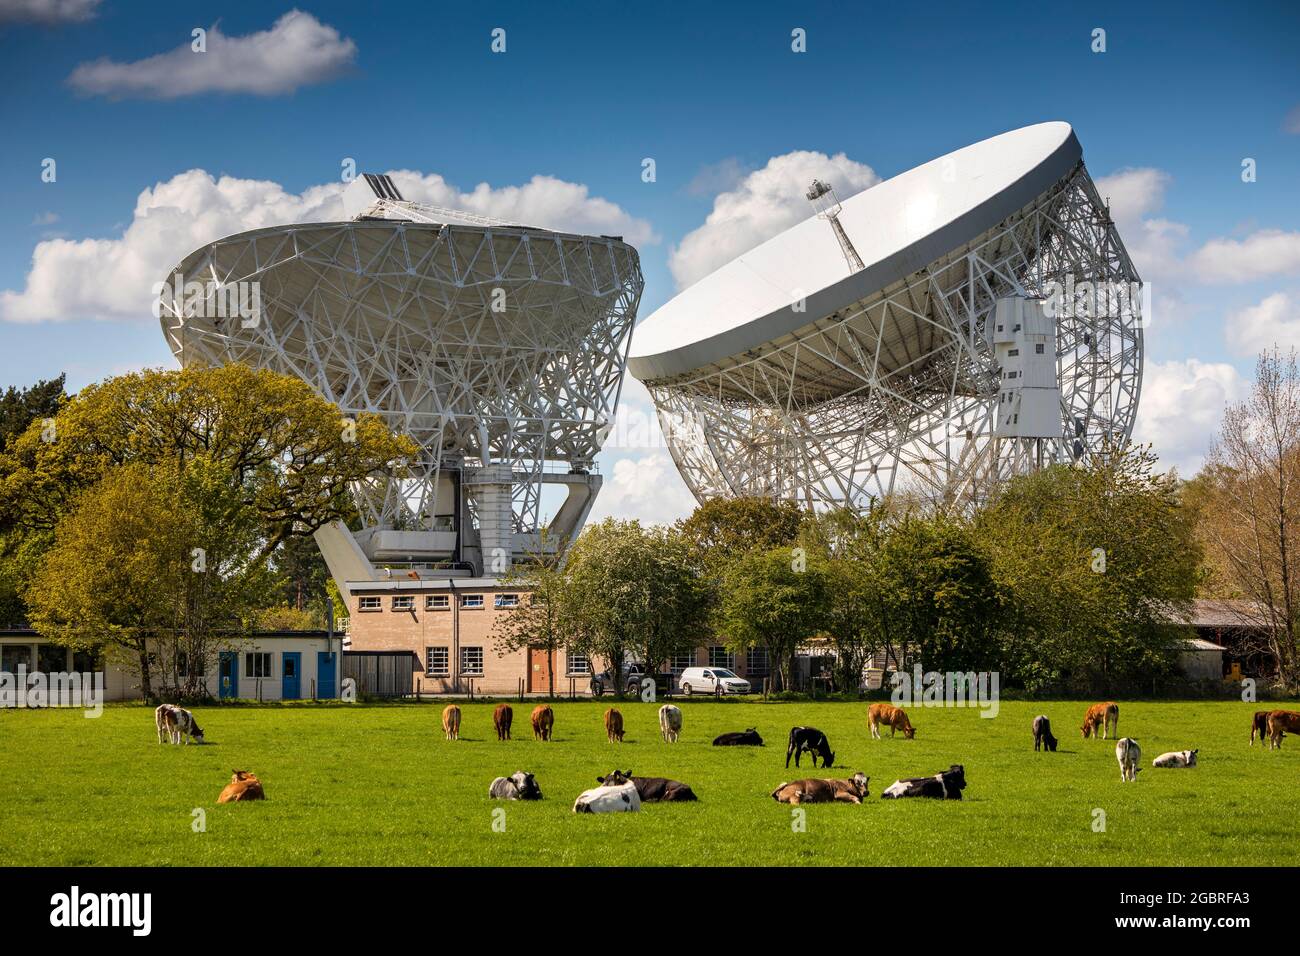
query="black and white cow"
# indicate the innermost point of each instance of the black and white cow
(650, 789)
(947, 785)
(741, 738)
(1178, 758)
(520, 785)
(609, 799)
(809, 740)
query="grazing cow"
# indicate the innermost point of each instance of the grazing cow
(520, 785)
(618, 799)
(895, 718)
(543, 721)
(1105, 716)
(1177, 758)
(451, 722)
(177, 725)
(1129, 755)
(243, 785)
(823, 791)
(1279, 723)
(650, 789)
(1043, 734)
(808, 740)
(739, 738)
(1259, 725)
(670, 722)
(502, 718)
(614, 725)
(947, 785)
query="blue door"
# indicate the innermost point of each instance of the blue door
(325, 661)
(291, 684)
(228, 675)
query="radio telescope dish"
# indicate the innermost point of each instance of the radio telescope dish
(970, 319)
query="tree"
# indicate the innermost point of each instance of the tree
(722, 528)
(536, 623)
(20, 407)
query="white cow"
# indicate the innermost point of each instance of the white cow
(620, 799)
(670, 722)
(1129, 755)
(1177, 758)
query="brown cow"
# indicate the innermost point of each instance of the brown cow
(543, 720)
(502, 717)
(614, 725)
(823, 791)
(1104, 716)
(894, 717)
(1279, 722)
(451, 722)
(244, 785)
(1259, 725)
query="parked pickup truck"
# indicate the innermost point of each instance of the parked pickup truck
(633, 674)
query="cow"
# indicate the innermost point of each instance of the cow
(176, 725)
(670, 722)
(617, 799)
(1043, 734)
(614, 725)
(243, 785)
(1279, 723)
(1105, 716)
(946, 785)
(1259, 725)
(808, 740)
(451, 722)
(543, 719)
(1129, 755)
(520, 785)
(502, 718)
(650, 789)
(895, 718)
(739, 738)
(1177, 758)
(823, 791)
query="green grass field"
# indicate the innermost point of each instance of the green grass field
(358, 785)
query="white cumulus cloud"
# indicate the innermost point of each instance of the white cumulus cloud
(1182, 404)
(47, 12)
(1275, 321)
(648, 488)
(1261, 255)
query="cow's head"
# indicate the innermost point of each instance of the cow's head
(1191, 757)
(909, 732)
(860, 782)
(526, 784)
(753, 732)
(196, 732)
(828, 757)
(241, 775)
(957, 775)
(1050, 742)
(615, 778)
(1086, 729)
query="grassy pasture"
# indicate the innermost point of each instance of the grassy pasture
(379, 785)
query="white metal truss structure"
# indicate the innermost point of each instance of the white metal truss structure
(898, 392)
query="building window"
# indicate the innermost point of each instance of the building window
(471, 601)
(719, 656)
(679, 662)
(507, 600)
(368, 604)
(437, 602)
(257, 664)
(51, 658)
(578, 664)
(1013, 353)
(86, 662)
(404, 602)
(756, 662)
(437, 661)
(471, 661)
(1039, 348)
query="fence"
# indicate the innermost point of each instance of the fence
(381, 673)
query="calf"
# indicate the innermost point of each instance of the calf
(670, 722)
(451, 722)
(1279, 723)
(823, 791)
(1259, 725)
(1105, 716)
(520, 785)
(614, 726)
(650, 789)
(895, 718)
(243, 785)
(177, 725)
(947, 785)
(741, 738)
(618, 799)
(502, 718)
(808, 740)
(1043, 734)
(543, 720)
(1129, 755)
(1178, 758)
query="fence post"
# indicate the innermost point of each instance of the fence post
(313, 688)
(419, 688)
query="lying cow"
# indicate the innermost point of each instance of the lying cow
(1259, 725)
(1104, 716)
(895, 718)
(670, 723)
(823, 791)
(1043, 734)
(451, 722)
(177, 725)
(1281, 722)
(1129, 755)
(520, 785)
(650, 789)
(618, 799)
(739, 738)
(543, 719)
(502, 718)
(808, 740)
(1177, 758)
(947, 785)
(243, 785)
(614, 725)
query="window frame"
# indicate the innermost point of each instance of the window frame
(466, 606)
(466, 654)
(429, 604)
(429, 669)
(249, 669)
(363, 608)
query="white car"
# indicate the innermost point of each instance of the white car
(707, 680)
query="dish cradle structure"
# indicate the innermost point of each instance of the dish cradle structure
(500, 349)
(908, 348)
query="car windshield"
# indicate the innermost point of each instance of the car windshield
(722, 672)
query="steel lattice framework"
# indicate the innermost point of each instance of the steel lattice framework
(898, 392)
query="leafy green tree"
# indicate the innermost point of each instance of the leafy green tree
(722, 528)
(20, 407)
(536, 624)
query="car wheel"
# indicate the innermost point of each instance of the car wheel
(686, 689)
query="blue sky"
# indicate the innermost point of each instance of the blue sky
(713, 93)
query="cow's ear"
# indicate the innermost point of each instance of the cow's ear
(600, 779)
